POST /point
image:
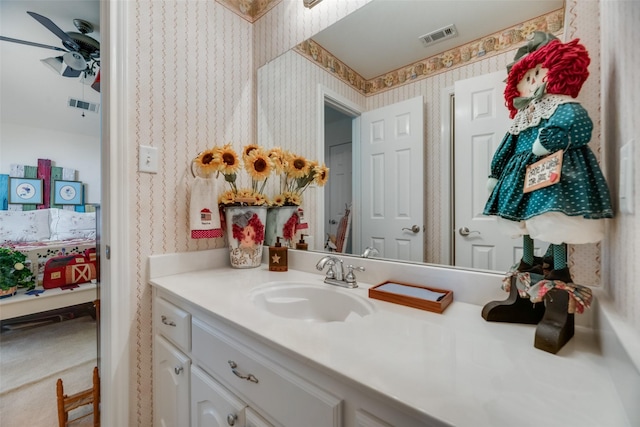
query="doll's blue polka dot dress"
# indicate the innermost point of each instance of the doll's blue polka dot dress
(582, 190)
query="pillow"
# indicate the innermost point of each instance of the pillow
(72, 225)
(24, 226)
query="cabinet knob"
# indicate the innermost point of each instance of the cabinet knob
(231, 419)
(178, 369)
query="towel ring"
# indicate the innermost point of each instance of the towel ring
(193, 162)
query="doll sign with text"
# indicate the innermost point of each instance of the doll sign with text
(543, 173)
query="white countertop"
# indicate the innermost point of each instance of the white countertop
(455, 366)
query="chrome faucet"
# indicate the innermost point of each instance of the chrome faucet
(335, 273)
(369, 251)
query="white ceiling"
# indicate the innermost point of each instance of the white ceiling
(378, 38)
(383, 35)
(30, 93)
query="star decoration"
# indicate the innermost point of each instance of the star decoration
(275, 259)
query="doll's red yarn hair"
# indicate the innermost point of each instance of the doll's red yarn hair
(567, 64)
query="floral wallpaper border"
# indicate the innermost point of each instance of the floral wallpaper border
(485, 47)
(251, 10)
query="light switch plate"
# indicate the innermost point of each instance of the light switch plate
(625, 188)
(148, 159)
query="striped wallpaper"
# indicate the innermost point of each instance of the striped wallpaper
(192, 74)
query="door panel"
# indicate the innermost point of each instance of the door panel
(481, 121)
(392, 180)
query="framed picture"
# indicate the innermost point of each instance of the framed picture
(68, 193)
(25, 191)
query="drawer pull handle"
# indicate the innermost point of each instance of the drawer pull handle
(166, 321)
(231, 419)
(178, 370)
(249, 377)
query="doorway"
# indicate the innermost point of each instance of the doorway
(39, 122)
(338, 133)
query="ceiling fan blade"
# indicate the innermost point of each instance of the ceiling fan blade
(67, 41)
(9, 39)
(70, 72)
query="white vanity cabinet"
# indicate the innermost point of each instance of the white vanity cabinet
(171, 366)
(237, 379)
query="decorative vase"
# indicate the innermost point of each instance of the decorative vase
(281, 221)
(245, 226)
(6, 293)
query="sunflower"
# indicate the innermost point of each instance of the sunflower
(206, 161)
(248, 150)
(279, 200)
(277, 156)
(261, 199)
(227, 198)
(294, 199)
(258, 165)
(321, 175)
(297, 166)
(245, 193)
(228, 159)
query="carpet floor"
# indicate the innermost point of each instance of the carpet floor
(31, 361)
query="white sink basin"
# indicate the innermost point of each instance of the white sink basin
(311, 302)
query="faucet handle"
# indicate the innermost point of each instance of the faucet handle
(350, 277)
(331, 272)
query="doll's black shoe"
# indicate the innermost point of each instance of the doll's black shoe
(515, 309)
(557, 326)
(536, 268)
(562, 275)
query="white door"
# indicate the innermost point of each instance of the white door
(212, 405)
(392, 180)
(170, 384)
(481, 121)
(339, 187)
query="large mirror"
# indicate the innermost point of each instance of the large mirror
(326, 96)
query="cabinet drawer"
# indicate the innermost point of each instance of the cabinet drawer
(173, 323)
(284, 396)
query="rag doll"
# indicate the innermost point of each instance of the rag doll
(540, 92)
(541, 88)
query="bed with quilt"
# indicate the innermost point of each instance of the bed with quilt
(60, 250)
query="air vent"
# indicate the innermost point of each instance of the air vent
(439, 35)
(84, 105)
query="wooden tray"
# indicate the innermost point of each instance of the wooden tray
(411, 295)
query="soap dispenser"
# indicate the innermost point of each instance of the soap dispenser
(278, 256)
(302, 245)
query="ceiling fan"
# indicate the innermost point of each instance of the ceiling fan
(81, 55)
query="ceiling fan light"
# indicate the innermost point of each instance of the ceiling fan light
(75, 61)
(54, 63)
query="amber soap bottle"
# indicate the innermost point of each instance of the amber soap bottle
(302, 245)
(278, 255)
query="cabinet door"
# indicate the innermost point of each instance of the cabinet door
(255, 420)
(212, 405)
(170, 385)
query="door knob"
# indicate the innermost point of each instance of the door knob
(464, 231)
(333, 221)
(414, 228)
(231, 419)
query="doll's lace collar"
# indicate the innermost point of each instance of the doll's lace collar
(537, 110)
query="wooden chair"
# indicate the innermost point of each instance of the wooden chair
(67, 404)
(344, 226)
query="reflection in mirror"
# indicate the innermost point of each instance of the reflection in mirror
(314, 99)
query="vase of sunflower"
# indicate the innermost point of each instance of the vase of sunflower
(243, 209)
(296, 175)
